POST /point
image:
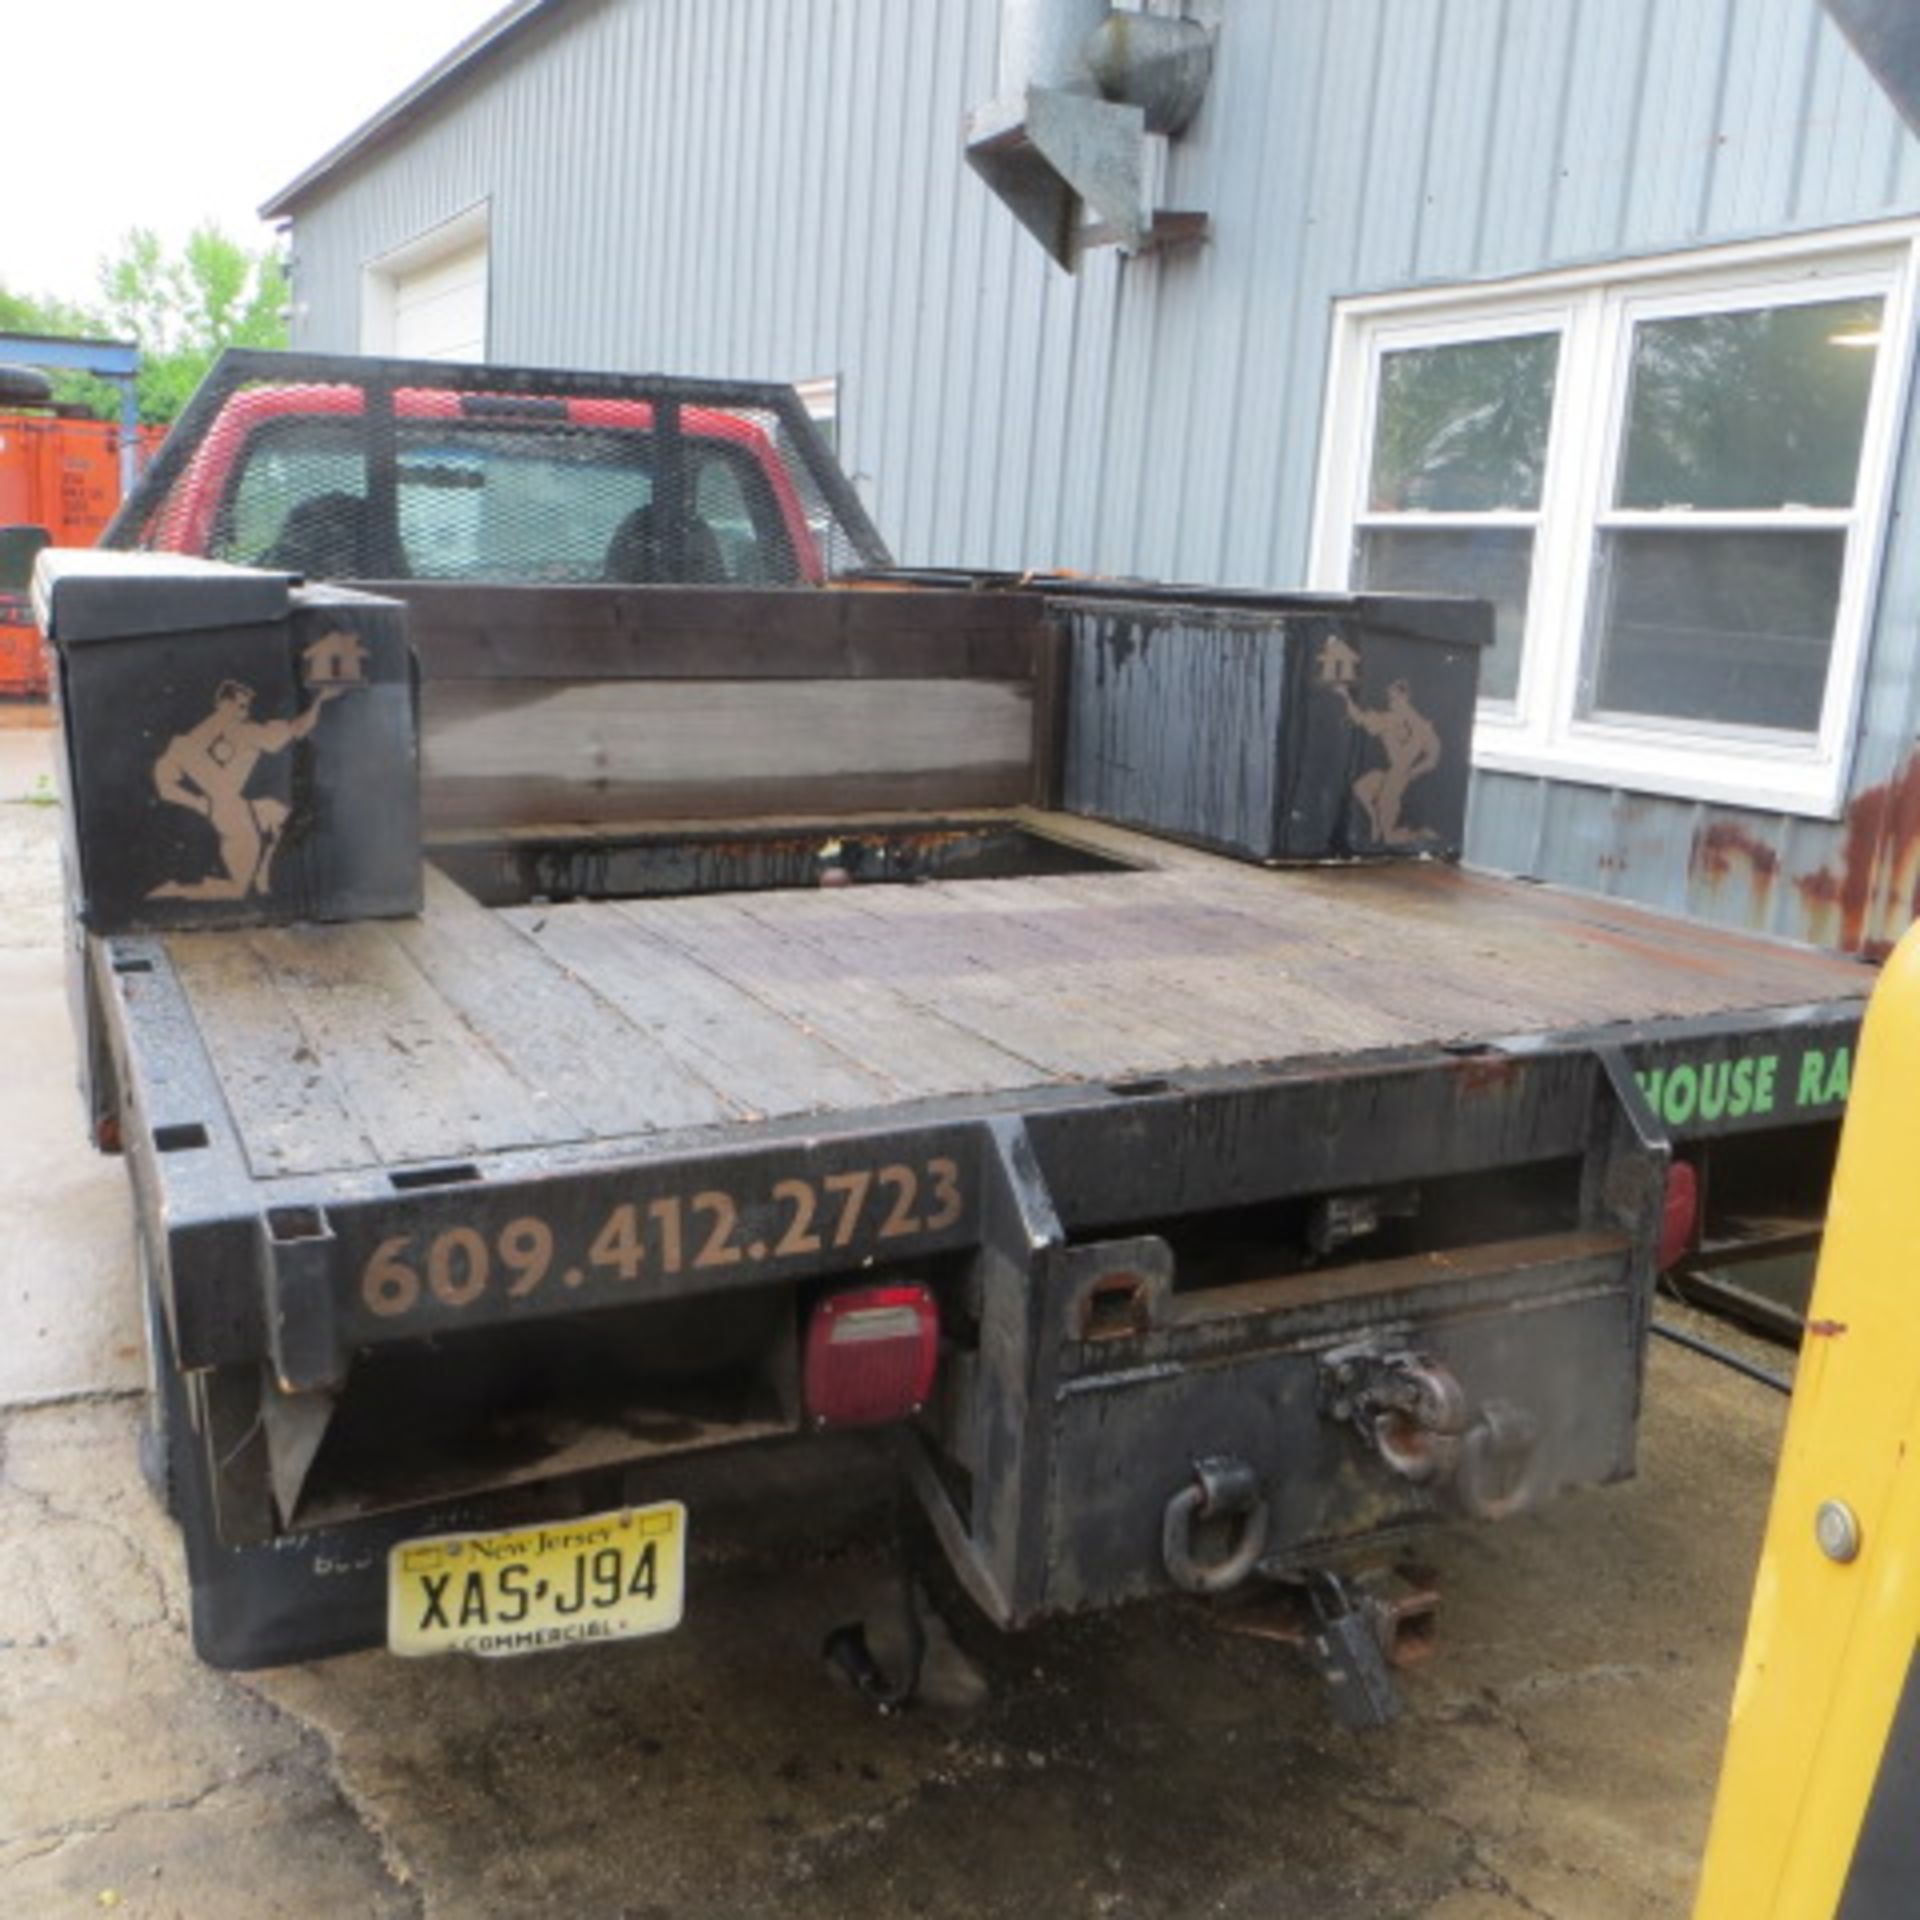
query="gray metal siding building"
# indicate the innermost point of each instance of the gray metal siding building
(777, 189)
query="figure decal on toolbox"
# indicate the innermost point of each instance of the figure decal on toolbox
(1412, 748)
(207, 769)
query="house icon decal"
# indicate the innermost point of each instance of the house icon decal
(336, 659)
(1338, 664)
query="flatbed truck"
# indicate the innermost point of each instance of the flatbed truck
(1042, 1021)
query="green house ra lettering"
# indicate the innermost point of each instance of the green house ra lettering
(1735, 1089)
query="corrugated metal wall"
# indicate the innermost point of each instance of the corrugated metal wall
(775, 188)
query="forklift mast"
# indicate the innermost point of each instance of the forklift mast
(1818, 1810)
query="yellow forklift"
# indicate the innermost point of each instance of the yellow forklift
(1819, 1803)
(1818, 1812)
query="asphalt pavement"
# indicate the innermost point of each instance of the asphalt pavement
(1556, 1758)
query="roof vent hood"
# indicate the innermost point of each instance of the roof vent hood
(1082, 87)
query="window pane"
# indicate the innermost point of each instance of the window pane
(475, 502)
(1734, 628)
(1757, 409)
(1490, 563)
(496, 503)
(721, 506)
(1463, 429)
(291, 470)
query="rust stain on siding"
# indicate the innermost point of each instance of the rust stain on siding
(1719, 848)
(1724, 852)
(1879, 878)
(1863, 900)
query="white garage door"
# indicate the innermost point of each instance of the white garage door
(440, 310)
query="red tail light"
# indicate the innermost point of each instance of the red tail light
(1680, 1215)
(871, 1355)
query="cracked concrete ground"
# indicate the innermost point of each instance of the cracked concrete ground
(1557, 1758)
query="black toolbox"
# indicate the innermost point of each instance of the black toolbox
(1275, 727)
(238, 750)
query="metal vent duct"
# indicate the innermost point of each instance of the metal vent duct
(1082, 86)
(1886, 35)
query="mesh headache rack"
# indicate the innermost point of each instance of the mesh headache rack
(336, 467)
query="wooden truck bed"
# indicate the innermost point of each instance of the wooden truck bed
(477, 1030)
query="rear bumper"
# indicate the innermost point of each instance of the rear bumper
(1091, 1357)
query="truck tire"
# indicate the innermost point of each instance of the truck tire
(156, 1465)
(153, 1445)
(24, 387)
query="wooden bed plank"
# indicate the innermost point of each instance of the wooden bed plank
(1547, 956)
(1252, 983)
(901, 945)
(1432, 989)
(759, 1060)
(1457, 970)
(929, 975)
(1750, 969)
(568, 1043)
(1010, 979)
(423, 1084)
(1542, 971)
(1282, 990)
(1732, 962)
(1118, 949)
(517, 751)
(291, 1113)
(764, 945)
(584, 632)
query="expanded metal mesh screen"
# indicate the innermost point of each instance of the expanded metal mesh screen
(350, 469)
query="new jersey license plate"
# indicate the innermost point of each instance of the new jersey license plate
(611, 1576)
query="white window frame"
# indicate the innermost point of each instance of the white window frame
(1542, 730)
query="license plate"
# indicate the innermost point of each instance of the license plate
(611, 1576)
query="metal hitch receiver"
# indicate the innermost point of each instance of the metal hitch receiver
(1344, 1648)
(1354, 1629)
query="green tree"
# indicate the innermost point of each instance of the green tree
(184, 309)
(180, 309)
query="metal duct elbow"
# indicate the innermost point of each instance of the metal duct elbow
(1043, 43)
(1886, 35)
(1082, 87)
(1147, 61)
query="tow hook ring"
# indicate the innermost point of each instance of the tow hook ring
(1495, 1475)
(1221, 1488)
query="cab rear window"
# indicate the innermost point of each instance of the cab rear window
(487, 502)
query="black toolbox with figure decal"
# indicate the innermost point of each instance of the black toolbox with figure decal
(240, 750)
(1277, 730)
(1272, 726)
